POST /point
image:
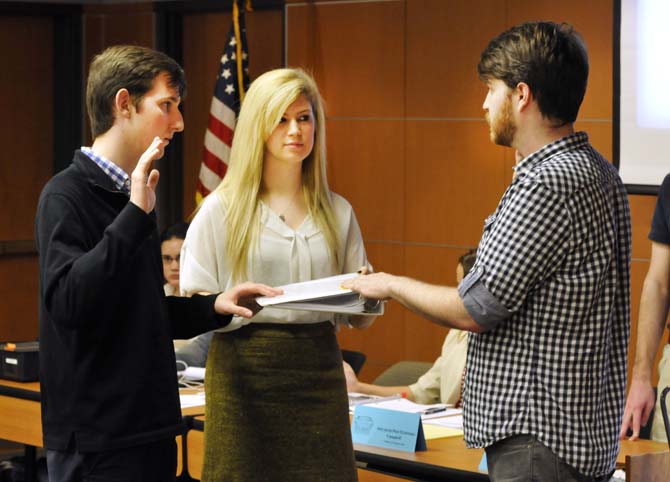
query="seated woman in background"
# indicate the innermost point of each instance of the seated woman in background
(276, 398)
(442, 383)
(192, 352)
(171, 241)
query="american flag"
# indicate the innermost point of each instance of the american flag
(231, 83)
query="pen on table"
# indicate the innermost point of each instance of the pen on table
(383, 399)
(430, 411)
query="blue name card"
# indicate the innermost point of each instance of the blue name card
(483, 465)
(388, 429)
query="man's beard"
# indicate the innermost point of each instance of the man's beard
(502, 128)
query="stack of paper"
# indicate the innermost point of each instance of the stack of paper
(455, 421)
(401, 404)
(325, 294)
(432, 432)
(192, 399)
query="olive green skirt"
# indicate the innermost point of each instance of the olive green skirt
(277, 406)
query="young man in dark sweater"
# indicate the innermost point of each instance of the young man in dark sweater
(110, 405)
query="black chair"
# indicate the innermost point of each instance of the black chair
(354, 358)
(645, 431)
(664, 411)
(402, 373)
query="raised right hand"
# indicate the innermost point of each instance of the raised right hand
(143, 183)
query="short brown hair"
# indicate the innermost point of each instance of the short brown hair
(551, 58)
(125, 67)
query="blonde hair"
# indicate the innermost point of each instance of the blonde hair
(264, 105)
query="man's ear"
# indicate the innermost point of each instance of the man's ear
(123, 103)
(523, 96)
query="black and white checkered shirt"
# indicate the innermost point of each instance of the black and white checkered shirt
(551, 283)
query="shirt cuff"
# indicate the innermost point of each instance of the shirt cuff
(482, 306)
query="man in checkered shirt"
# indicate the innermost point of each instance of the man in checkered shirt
(548, 298)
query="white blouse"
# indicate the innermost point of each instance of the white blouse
(283, 256)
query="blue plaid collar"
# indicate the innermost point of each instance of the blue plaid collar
(116, 174)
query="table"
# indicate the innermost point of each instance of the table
(21, 413)
(447, 459)
(21, 420)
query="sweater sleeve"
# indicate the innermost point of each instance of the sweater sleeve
(195, 315)
(79, 277)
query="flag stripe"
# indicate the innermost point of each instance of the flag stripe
(220, 130)
(209, 179)
(213, 162)
(223, 113)
(216, 146)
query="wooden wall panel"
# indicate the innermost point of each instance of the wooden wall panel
(356, 53)
(201, 64)
(454, 179)
(27, 109)
(436, 265)
(641, 211)
(365, 159)
(383, 341)
(600, 135)
(204, 39)
(105, 26)
(27, 160)
(443, 50)
(104, 29)
(18, 290)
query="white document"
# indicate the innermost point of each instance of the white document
(356, 398)
(403, 405)
(325, 294)
(455, 421)
(192, 399)
(194, 373)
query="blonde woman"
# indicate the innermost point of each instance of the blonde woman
(276, 393)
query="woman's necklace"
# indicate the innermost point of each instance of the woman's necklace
(282, 212)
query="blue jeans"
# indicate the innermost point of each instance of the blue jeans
(522, 458)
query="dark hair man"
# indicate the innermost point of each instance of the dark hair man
(110, 406)
(548, 297)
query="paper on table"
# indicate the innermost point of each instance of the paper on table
(435, 431)
(193, 373)
(404, 405)
(455, 422)
(356, 398)
(192, 399)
